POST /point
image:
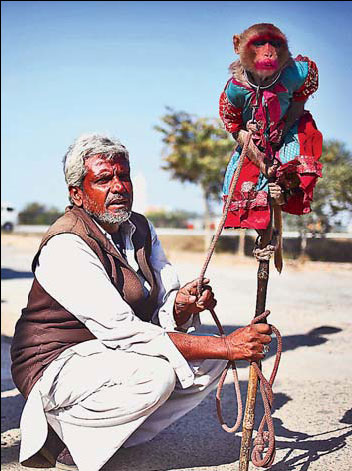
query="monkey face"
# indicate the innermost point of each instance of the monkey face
(263, 50)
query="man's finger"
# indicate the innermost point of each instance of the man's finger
(192, 286)
(206, 295)
(183, 298)
(263, 328)
(265, 338)
(204, 281)
(209, 303)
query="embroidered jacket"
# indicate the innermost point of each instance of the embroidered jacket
(298, 155)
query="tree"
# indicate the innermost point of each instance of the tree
(36, 213)
(333, 192)
(197, 150)
(176, 219)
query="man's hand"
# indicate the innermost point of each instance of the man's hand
(188, 302)
(247, 343)
(243, 344)
(277, 194)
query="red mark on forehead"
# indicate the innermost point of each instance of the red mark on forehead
(266, 37)
(99, 163)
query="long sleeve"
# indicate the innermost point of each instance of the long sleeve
(309, 70)
(168, 285)
(74, 276)
(230, 115)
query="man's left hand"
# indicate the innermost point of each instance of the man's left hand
(188, 301)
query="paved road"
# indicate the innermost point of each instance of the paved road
(310, 304)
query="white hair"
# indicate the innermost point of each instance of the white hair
(86, 146)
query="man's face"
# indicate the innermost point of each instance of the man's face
(107, 192)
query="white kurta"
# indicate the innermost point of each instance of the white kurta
(97, 394)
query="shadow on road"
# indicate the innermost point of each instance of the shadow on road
(347, 418)
(9, 274)
(197, 440)
(11, 407)
(6, 380)
(312, 450)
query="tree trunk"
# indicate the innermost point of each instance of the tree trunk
(241, 243)
(303, 248)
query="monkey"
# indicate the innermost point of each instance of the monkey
(263, 50)
(266, 94)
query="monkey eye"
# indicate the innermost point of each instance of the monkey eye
(272, 42)
(275, 42)
(260, 42)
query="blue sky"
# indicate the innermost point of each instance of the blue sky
(73, 67)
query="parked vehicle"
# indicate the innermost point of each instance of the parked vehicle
(9, 217)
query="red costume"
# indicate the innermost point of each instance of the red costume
(298, 156)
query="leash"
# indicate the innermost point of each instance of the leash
(225, 212)
(263, 437)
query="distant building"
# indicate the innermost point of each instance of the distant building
(139, 193)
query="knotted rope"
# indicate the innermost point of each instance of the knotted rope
(262, 437)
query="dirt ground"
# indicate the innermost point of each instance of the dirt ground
(310, 303)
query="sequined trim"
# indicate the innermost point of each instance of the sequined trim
(229, 114)
(308, 164)
(248, 200)
(311, 82)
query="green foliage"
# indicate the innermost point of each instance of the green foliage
(333, 192)
(177, 219)
(197, 150)
(36, 213)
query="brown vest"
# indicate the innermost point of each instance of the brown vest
(45, 328)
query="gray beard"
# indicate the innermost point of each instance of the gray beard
(121, 216)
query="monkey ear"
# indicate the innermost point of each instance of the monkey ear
(236, 43)
(76, 195)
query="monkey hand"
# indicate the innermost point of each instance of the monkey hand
(289, 181)
(271, 168)
(276, 136)
(188, 301)
(277, 194)
(256, 156)
(247, 343)
(253, 153)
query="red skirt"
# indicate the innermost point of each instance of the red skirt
(249, 206)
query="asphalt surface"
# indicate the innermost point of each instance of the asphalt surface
(311, 304)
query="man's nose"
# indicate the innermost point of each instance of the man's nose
(117, 186)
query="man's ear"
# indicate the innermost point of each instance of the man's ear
(76, 195)
(236, 43)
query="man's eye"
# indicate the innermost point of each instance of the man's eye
(103, 180)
